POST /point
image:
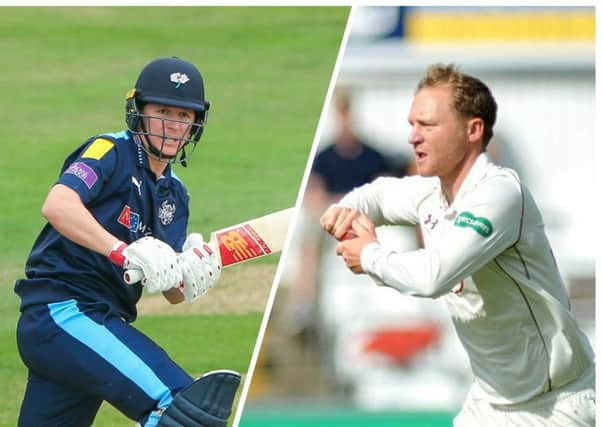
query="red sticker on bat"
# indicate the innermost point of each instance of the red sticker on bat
(240, 244)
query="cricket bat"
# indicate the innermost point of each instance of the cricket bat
(242, 242)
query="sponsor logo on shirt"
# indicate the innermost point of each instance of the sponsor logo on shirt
(131, 220)
(83, 172)
(430, 223)
(479, 224)
(167, 212)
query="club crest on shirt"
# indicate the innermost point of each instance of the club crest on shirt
(465, 302)
(459, 288)
(167, 212)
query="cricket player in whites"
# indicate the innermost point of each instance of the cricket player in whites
(486, 255)
(118, 206)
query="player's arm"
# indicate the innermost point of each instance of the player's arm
(66, 212)
(384, 201)
(84, 175)
(482, 230)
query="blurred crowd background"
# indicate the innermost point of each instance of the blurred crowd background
(338, 346)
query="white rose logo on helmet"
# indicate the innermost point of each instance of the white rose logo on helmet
(179, 78)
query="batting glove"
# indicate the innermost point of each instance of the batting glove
(150, 258)
(200, 265)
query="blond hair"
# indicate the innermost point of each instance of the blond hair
(471, 97)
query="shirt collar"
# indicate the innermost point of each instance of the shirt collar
(476, 173)
(142, 158)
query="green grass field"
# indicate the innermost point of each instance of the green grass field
(64, 78)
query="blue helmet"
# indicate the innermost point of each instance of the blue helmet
(173, 82)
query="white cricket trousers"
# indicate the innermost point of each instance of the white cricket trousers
(573, 405)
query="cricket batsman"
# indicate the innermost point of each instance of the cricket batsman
(118, 205)
(486, 255)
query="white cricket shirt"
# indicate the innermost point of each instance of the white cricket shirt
(488, 257)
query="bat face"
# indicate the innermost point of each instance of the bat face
(252, 239)
(240, 244)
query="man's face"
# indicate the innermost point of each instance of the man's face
(168, 127)
(438, 135)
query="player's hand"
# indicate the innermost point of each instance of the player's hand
(337, 221)
(155, 259)
(351, 249)
(201, 267)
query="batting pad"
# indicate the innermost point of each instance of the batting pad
(207, 402)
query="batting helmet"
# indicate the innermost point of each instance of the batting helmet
(173, 82)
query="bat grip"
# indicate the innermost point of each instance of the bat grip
(133, 276)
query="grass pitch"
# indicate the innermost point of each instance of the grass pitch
(64, 77)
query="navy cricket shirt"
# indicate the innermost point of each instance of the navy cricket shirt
(111, 174)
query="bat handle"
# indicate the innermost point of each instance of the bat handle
(132, 276)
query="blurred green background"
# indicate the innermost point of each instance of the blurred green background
(64, 77)
(339, 415)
